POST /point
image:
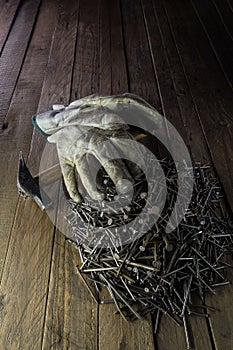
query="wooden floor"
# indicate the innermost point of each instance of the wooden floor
(178, 56)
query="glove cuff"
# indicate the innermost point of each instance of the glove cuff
(93, 111)
(37, 127)
(45, 123)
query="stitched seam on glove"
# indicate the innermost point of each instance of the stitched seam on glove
(34, 122)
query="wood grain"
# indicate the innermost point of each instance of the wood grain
(26, 270)
(113, 71)
(86, 66)
(212, 106)
(54, 52)
(17, 135)
(114, 332)
(220, 40)
(71, 318)
(58, 75)
(225, 12)
(180, 112)
(13, 54)
(141, 74)
(25, 279)
(221, 320)
(117, 333)
(7, 12)
(210, 91)
(143, 80)
(139, 65)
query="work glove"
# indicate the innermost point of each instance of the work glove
(90, 133)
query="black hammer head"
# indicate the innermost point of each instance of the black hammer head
(27, 185)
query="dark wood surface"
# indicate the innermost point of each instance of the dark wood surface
(175, 54)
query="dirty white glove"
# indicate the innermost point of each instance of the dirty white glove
(90, 133)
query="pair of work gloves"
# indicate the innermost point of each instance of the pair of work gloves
(90, 133)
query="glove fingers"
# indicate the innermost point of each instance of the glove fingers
(118, 173)
(135, 153)
(121, 164)
(87, 169)
(68, 173)
(109, 155)
(135, 156)
(135, 170)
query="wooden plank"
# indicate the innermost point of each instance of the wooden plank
(209, 88)
(141, 74)
(25, 279)
(119, 78)
(71, 319)
(113, 71)
(114, 332)
(105, 48)
(7, 13)
(17, 134)
(142, 81)
(178, 106)
(225, 12)
(56, 88)
(178, 109)
(220, 40)
(221, 320)
(140, 71)
(71, 315)
(26, 270)
(86, 70)
(13, 54)
(230, 5)
(176, 335)
(206, 83)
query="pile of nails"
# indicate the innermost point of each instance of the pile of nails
(156, 272)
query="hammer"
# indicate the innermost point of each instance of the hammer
(28, 186)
